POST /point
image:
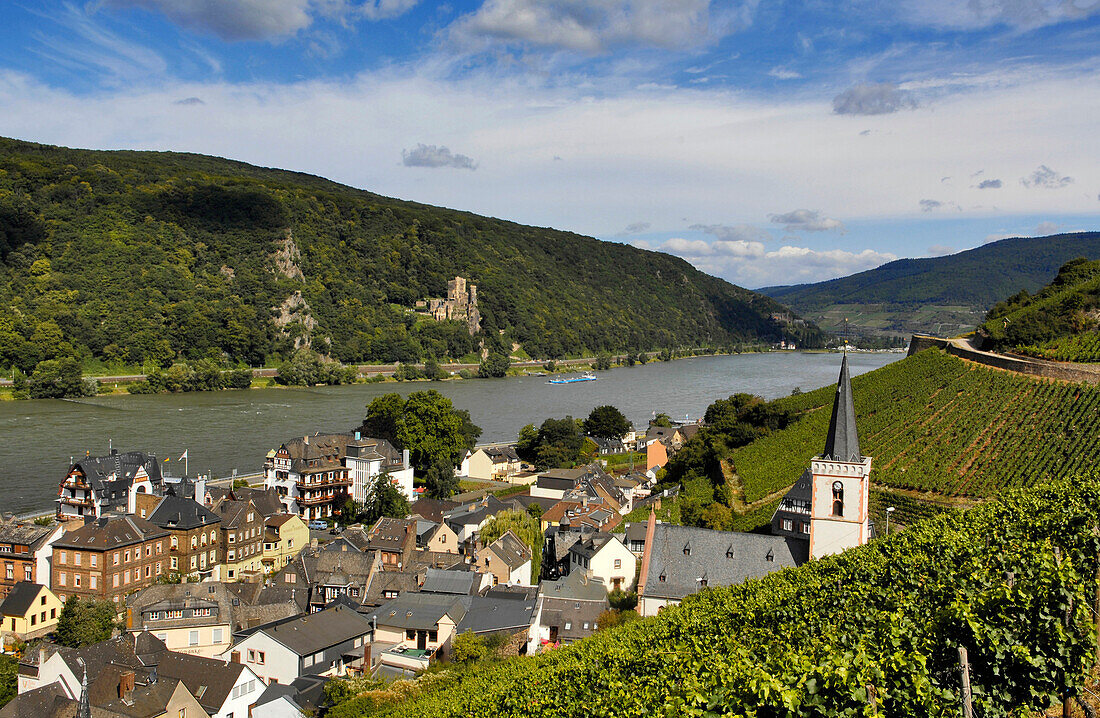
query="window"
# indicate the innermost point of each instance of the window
(194, 542)
(93, 581)
(76, 558)
(259, 656)
(116, 558)
(251, 656)
(148, 550)
(10, 572)
(174, 542)
(568, 625)
(318, 657)
(200, 612)
(192, 638)
(61, 557)
(291, 578)
(788, 525)
(410, 635)
(27, 571)
(93, 560)
(62, 578)
(618, 563)
(175, 562)
(173, 614)
(154, 615)
(162, 636)
(115, 577)
(307, 661)
(216, 635)
(194, 561)
(34, 620)
(202, 539)
(76, 580)
(148, 571)
(160, 547)
(158, 568)
(53, 611)
(433, 636)
(213, 537)
(42, 602)
(183, 713)
(838, 498)
(232, 539)
(127, 555)
(232, 554)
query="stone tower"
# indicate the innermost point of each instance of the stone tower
(828, 504)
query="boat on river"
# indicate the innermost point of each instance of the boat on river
(587, 376)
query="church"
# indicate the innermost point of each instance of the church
(827, 506)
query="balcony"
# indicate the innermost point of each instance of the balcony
(310, 485)
(318, 500)
(73, 501)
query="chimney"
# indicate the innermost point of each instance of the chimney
(584, 502)
(650, 529)
(200, 489)
(126, 686)
(405, 458)
(366, 658)
(306, 439)
(41, 657)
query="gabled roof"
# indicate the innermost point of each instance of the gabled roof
(108, 532)
(511, 550)
(842, 441)
(501, 454)
(684, 559)
(234, 514)
(175, 512)
(21, 598)
(209, 680)
(461, 583)
(317, 631)
(116, 471)
(14, 531)
(474, 513)
(178, 597)
(431, 509)
(420, 611)
(574, 587)
(389, 534)
(492, 614)
(593, 544)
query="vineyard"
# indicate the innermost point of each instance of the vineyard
(1012, 581)
(935, 423)
(1083, 348)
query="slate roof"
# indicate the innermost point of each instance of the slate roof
(682, 558)
(591, 545)
(148, 699)
(28, 534)
(274, 692)
(390, 534)
(420, 611)
(175, 512)
(842, 441)
(474, 513)
(108, 532)
(209, 680)
(266, 501)
(431, 509)
(574, 587)
(180, 596)
(113, 474)
(511, 550)
(317, 631)
(502, 454)
(460, 583)
(491, 614)
(401, 581)
(559, 612)
(233, 513)
(20, 599)
(48, 701)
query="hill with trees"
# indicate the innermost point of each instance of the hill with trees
(939, 295)
(131, 258)
(1060, 322)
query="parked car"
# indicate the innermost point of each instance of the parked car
(318, 525)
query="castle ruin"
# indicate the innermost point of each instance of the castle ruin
(460, 305)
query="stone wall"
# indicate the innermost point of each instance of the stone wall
(1062, 371)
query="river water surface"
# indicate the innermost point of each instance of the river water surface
(228, 430)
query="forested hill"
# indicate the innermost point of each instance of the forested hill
(940, 294)
(133, 256)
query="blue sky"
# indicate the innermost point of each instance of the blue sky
(765, 142)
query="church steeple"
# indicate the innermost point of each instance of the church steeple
(85, 710)
(842, 442)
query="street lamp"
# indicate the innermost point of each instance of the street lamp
(889, 510)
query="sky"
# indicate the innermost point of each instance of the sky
(765, 142)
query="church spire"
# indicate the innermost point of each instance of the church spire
(842, 442)
(85, 710)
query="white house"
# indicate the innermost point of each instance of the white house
(508, 559)
(225, 690)
(604, 558)
(314, 644)
(567, 611)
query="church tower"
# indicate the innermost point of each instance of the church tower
(840, 480)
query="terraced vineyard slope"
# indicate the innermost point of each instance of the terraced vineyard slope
(809, 641)
(936, 423)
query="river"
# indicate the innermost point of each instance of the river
(228, 430)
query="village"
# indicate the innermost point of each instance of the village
(243, 598)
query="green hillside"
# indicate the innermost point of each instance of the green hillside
(935, 423)
(1060, 322)
(135, 256)
(809, 641)
(940, 295)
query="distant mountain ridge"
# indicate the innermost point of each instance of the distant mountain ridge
(128, 256)
(939, 294)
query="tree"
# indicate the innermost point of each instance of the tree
(84, 621)
(432, 370)
(661, 419)
(432, 430)
(606, 422)
(384, 499)
(612, 617)
(58, 379)
(527, 442)
(9, 672)
(440, 481)
(468, 647)
(494, 366)
(603, 361)
(383, 416)
(558, 444)
(535, 510)
(525, 526)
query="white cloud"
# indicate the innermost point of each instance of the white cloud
(1044, 228)
(635, 228)
(435, 156)
(1047, 178)
(734, 232)
(594, 26)
(780, 72)
(940, 250)
(383, 9)
(1022, 14)
(873, 99)
(807, 220)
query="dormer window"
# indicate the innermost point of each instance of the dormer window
(770, 556)
(687, 549)
(662, 577)
(838, 498)
(729, 552)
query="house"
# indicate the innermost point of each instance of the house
(656, 456)
(224, 690)
(432, 536)
(191, 618)
(29, 611)
(394, 540)
(554, 483)
(583, 511)
(604, 558)
(556, 542)
(431, 509)
(411, 628)
(192, 534)
(605, 446)
(278, 701)
(491, 463)
(670, 436)
(314, 475)
(507, 559)
(567, 611)
(457, 582)
(25, 552)
(265, 500)
(317, 644)
(828, 506)
(500, 612)
(635, 538)
(241, 544)
(97, 485)
(467, 519)
(285, 535)
(109, 557)
(681, 560)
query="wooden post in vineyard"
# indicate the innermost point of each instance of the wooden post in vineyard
(964, 669)
(872, 698)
